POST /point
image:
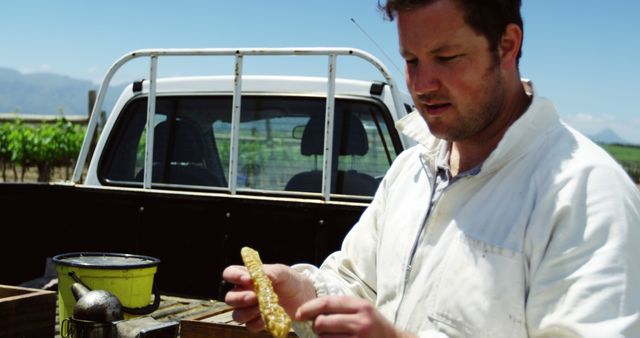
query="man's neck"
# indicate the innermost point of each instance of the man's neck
(466, 154)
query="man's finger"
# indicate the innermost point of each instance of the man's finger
(241, 298)
(236, 274)
(246, 314)
(325, 305)
(255, 325)
(334, 324)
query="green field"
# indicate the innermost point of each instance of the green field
(627, 156)
(623, 153)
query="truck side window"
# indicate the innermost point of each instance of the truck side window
(184, 146)
(281, 145)
(269, 153)
(363, 150)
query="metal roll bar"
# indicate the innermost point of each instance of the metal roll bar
(239, 53)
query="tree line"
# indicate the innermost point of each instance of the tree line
(44, 146)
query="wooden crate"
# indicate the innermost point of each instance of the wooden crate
(219, 325)
(26, 313)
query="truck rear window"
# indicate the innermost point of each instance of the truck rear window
(281, 141)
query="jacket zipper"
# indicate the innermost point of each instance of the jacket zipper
(414, 248)
(428, 216)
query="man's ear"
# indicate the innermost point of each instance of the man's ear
(510, 45)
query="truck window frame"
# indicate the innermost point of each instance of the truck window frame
(394, 144)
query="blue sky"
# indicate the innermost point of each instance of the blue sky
(581, 54)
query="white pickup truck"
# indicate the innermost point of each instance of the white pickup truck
(190, 169)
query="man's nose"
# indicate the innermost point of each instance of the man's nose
(425, 78)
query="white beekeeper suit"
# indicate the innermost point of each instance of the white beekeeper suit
(544, 241)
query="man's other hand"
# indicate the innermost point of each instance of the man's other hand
(343, 316)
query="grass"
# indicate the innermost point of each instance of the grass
(628, 156)
(623, 153)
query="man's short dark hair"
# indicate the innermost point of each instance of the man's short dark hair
(486, 17)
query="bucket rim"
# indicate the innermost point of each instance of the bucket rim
(148, 260)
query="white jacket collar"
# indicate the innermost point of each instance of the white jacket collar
(539, 118)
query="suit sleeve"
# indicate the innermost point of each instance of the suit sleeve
(584, 273)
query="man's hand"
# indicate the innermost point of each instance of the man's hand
(343, 316)
(293, 290)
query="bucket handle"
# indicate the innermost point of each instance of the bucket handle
(138, 311)
(64, 328)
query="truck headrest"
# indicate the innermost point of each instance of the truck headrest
(349, 135)
(186, 141)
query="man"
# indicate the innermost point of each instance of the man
(502, 222)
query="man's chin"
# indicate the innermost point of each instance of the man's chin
(436, 128)
(440, 135)
(446, 135)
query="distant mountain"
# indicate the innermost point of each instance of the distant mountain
(47, 94)
(607, 136)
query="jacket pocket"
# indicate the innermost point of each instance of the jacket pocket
(480, 291)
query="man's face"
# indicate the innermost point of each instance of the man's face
(454, 79)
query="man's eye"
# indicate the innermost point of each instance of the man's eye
(447, 58)
(411, 62)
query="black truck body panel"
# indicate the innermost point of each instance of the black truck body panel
(194, 235)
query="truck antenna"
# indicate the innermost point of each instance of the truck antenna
(377, 45)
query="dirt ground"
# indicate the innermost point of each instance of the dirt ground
(31, 175)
